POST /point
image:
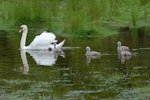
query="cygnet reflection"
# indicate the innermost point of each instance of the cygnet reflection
(88, 58)
(124, 58)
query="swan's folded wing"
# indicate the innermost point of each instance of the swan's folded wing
(44, 39)
(48, 37)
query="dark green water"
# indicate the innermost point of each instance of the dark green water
(38, 75)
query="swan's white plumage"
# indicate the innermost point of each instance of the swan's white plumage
(40, 42)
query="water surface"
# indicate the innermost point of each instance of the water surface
(72, 76)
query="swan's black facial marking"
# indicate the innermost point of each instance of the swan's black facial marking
(21, 29)
(49, 49)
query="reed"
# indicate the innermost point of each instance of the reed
(75, 16)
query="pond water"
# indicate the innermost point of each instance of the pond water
(71, 76)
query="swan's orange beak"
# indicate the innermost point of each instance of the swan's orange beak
(20, 30)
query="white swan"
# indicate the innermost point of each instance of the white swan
(40, 42)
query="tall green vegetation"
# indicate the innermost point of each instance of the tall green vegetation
(80, 17)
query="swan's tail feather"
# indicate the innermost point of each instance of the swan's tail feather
(60, 44)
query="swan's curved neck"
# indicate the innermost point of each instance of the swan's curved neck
(23, 39)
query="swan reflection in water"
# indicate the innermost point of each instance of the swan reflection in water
(25, 67)
(45, 58)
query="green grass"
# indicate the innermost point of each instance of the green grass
(75, 17)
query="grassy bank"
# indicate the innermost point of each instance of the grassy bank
(75, 17)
